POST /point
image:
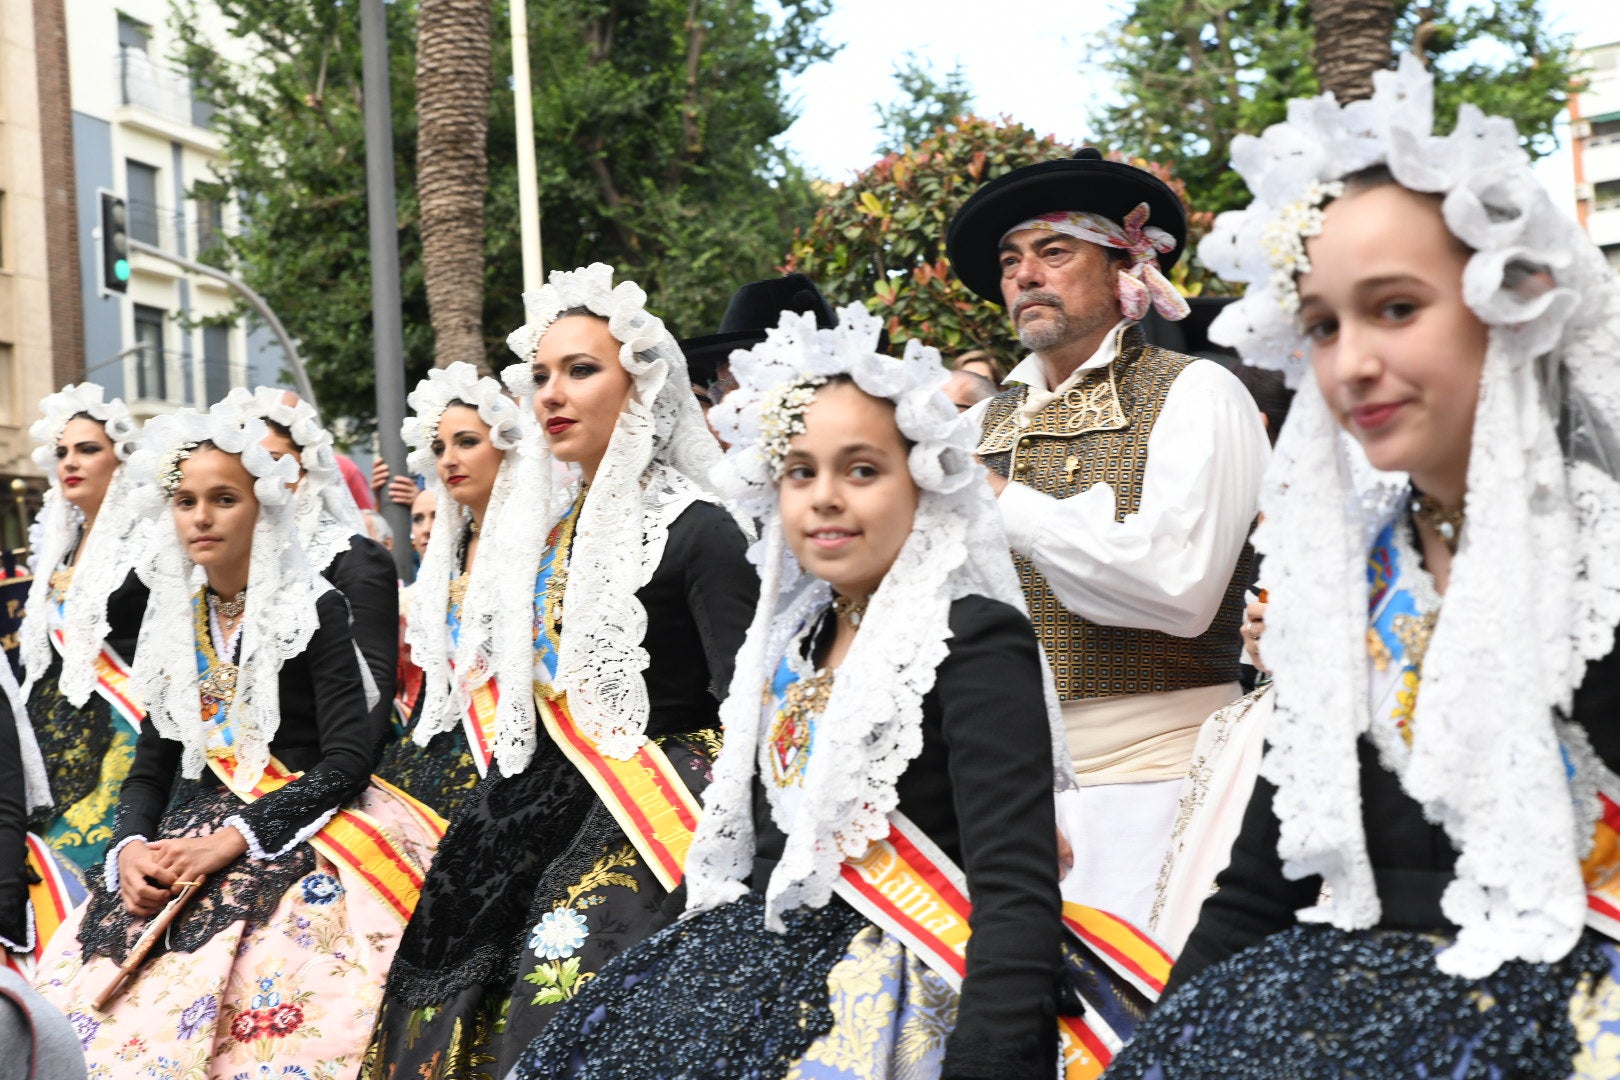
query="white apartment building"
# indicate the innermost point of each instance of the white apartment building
(1595, 138)
(139, 132)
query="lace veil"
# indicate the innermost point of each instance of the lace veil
(425, 628)
(1535, 588)
(324, 510)
(109, 551)
(656, 465)
(871, 728)
(280, 617)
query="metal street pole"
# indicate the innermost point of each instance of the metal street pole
(388, 342)
(255, 301)
(534, 273)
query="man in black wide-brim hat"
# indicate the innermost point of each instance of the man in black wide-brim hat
(1127, 477)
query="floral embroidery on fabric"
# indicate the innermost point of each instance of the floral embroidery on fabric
(561, 931)
(195, 1015)
(321, 889)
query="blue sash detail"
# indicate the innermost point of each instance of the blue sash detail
(1395, 624)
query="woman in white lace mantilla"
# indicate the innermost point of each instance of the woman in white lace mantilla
(83, 617)
(1421, 880)
(463, 438)
(333, 534)
(251, 784)
(890, 629)
(607, 716)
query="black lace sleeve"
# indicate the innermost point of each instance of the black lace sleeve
(364, 574)
(722, 589)
(13, 833)
(325, 680)
(1000, 760)
(146, 789)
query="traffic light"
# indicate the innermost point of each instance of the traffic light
(114, 243)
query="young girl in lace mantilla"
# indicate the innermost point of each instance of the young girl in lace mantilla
(887, 712)
(1424, 884)
(251, 772)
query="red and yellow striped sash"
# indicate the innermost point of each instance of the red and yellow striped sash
(645, 794)
(1602, 871)
(479, 722)
(115, 684)
(909, 887)
(353, 839)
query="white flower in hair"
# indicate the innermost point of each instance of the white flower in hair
(315, 451)
(777, 381)
(172, 438)
(72, 400)
(461, 382)
(642, 336)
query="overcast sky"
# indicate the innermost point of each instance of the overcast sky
(1039, 75)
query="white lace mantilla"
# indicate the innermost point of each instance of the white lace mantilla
(871, 727)
(280, 616)
(1534, 592)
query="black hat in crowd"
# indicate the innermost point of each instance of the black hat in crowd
(754, 309)
(1086, 182)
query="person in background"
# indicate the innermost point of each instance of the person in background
(1127, 477)
(981, 362)
(967, 388)
(378, 529)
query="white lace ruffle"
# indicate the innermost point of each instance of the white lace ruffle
(871, 728)
(256, 851)
(461, 382)
(30, 934)
(109, 864)
(280, 618)
(1534, 591)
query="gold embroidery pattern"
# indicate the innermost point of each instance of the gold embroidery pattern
(549, 604)
(217, 685)
(458, 589)
(791, 727)
(1092, 404)
(1060, 456)
(61, 581)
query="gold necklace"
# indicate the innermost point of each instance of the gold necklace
(228, 609)
(851, 611)
(218, 683)
(1447, 523)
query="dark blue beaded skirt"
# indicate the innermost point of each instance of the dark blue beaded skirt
(1317, 1003)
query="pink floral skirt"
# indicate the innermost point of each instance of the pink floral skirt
(291, 998)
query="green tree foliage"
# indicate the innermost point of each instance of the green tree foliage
(926, 103)
(654, 126)
(1191, 74)
(880, 239)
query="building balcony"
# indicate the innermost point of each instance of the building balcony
(146, 84)
(1600, 159)
(1603, 224)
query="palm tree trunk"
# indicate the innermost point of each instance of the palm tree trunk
(452, 109)
(1353, 40)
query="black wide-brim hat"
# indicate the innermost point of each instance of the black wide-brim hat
(1086, 182)
(754, 309)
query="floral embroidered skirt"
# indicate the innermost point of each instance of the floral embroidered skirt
(88, 752)
(719, 996)
(440, 774)
(1317, 1002)
(275, 970)
(535, 888)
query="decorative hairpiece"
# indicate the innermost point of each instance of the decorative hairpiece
(169, 475)
(1294, 167)
(303, 424)
(642, 336)
(779, 377)
(781, 417)
(82, 398)
(1285, 235)
(461, 382)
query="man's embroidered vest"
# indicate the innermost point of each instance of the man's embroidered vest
(1098, 433)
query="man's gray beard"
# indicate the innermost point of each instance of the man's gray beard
(1061, 329)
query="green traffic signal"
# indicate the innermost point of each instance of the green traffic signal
(121, 269)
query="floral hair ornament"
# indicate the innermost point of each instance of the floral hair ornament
(1490, 759)
(781, 416)
(457, 382)
(1141, 284)
(76, 399)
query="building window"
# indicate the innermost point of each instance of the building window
(1606, 195)
(142, 181)
(1612, 253)
(134, 35)
(210, 228)
(5, 236)
(216, 362)
(8, 385)
(151, 375)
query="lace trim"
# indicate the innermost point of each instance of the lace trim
(29, 936)
(109, 865)
(256, 850)
(368, 682)
(324, 537)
